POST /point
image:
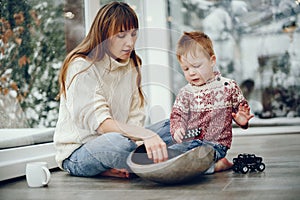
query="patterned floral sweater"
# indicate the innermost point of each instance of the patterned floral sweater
(210, 107)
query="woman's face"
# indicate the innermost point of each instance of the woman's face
(122, 44)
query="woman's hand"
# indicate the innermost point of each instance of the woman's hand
(156, 149)
(179, 134)
(243, 115)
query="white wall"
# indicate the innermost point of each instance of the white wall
(156, 68)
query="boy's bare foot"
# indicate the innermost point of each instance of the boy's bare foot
(119, 173)
(222, 165)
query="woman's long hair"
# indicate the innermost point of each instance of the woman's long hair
(110, 19)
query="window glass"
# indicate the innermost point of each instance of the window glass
(34, 39)
(255, 44)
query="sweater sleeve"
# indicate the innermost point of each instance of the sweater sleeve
(180, 111)
(237, 96)
(85, 100)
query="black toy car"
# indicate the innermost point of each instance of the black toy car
(245, 162)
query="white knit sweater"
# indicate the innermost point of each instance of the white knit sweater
(105, 90)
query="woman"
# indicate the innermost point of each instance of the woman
(101, 101)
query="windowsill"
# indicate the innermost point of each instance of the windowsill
(276, 121)
(280, 125)
(20, 146)
(17, 137)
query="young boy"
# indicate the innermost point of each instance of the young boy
(209, 101)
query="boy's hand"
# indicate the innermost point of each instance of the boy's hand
(243, 115)
(178, 135)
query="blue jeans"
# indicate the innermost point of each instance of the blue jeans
(220, 151)
(108, 151)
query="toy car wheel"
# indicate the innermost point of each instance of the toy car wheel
(261, 167)
(235, 168)
(244, 169)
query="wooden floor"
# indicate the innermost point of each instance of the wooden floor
(280, 180)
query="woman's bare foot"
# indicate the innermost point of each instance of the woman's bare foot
(222, 165)
(119, 173)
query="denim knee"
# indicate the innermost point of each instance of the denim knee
(119, 142)
(100, 154)
(162, 128)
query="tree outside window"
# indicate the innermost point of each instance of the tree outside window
(32, 44)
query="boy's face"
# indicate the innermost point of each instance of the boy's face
(198, 67)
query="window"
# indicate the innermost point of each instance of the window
(255, 44)
(35, 37)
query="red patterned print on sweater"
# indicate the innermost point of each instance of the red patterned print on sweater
(210, 107)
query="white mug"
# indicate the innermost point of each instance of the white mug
(37, 174)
